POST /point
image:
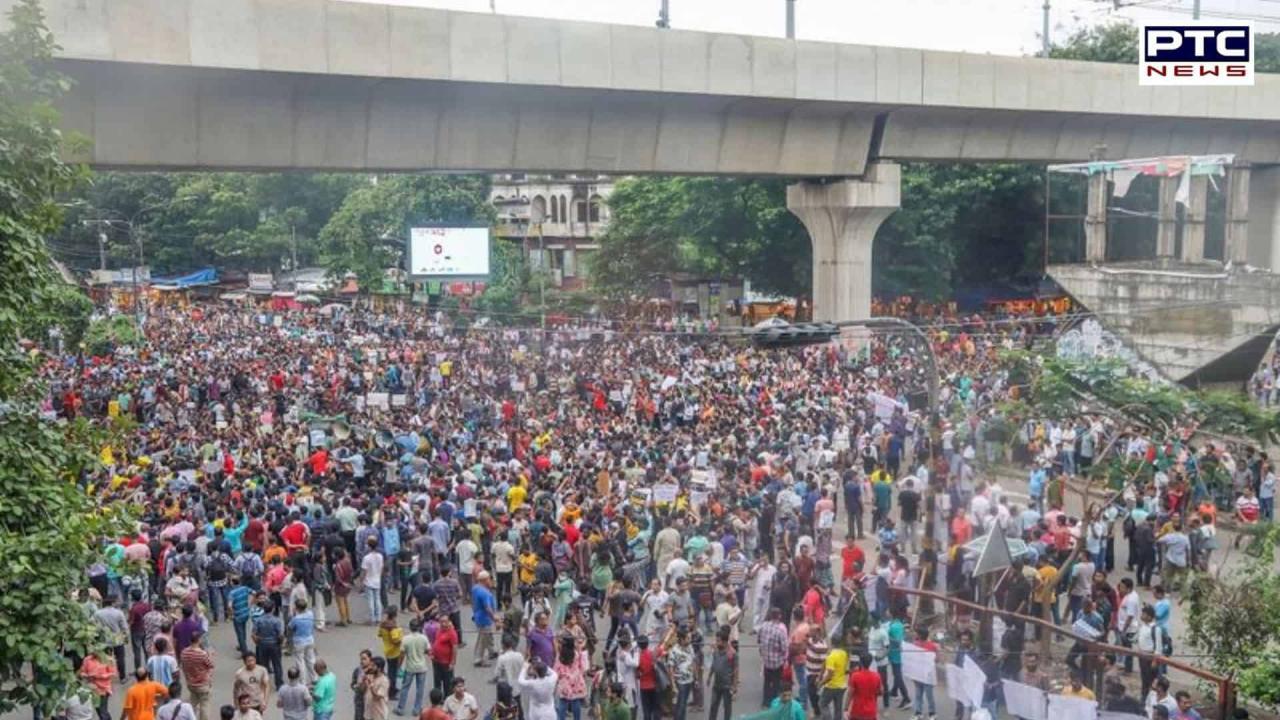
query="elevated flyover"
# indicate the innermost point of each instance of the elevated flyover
(333, 85)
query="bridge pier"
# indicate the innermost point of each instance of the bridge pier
(842, 218)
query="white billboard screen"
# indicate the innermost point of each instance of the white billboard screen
(445, 252)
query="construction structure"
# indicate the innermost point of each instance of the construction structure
(1196, 319)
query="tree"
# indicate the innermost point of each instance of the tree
(712, 227)
(366, 234)
(48, 524)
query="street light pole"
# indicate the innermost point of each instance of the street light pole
(664, 15)
(791, 19)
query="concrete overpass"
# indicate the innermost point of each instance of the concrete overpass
(333, 85)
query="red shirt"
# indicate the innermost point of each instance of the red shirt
(255, 535)
(571, 534)
(445, 647)
(813, 606)
(864, 685)
(434, 713)
(849, 555)
(648, 680)
(319, 461)
(294, 535)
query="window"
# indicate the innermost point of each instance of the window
(580, 209)
(555, 211)
(593, 211)
(564, 209)
(538, 208)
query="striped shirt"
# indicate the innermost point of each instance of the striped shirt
(815, 655)
(736, 569)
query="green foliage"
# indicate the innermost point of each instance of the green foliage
(713, 227)
(960, 225)
(1115, 42)
(48, 524)
(107, 334)
(366, 234)
(63, 306)
(1235, 621)
(509, 280)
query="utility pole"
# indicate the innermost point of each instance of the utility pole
(293, 252)
(137, 289)
(1044, 30)
(542, 277)
(102, 249)
(791, 19)
(1195, 10)
(664, 15)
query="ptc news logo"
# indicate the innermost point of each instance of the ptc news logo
(1199, 53)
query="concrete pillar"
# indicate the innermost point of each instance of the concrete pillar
(1095, 221)
(1235, 246)
(1193, 231)
(1264, 216)
(1167, 217)
(842, 218)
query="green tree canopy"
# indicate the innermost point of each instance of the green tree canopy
(714, 227)
(46, 551)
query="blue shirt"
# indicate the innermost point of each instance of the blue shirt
(303, 627)
(438, 529)
(896, 635)
(390, 540)
(1162, 609)
(483, 607)
(239, 597)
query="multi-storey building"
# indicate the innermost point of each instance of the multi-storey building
(556, 219)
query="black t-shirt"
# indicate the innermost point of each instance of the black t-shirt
(909, 503)
(423, 595)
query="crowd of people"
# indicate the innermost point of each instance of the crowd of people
(298, 472)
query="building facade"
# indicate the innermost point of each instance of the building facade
(556, 219)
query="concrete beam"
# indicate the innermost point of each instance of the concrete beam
(842, 219)
(935, 105)
(1095, 221)
(149, 117)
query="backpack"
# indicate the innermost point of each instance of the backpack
(219, 566)
(248, 566)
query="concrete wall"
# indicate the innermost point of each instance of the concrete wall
(332, 84)
(1182, 318)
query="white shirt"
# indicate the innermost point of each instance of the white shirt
(461, 709)
(466, 556)
(371, 570)
(1130, 606)
(540, 693)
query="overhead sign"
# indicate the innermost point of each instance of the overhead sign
(448, 253)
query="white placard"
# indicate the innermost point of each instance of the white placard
(1062, 707)
(955, 685)
(1025, 701)
(316, 438)
(378, 401)
(919, 664)
(975, 681)
(188, 475)
(665, 493)
(399, 400)
(697, 498)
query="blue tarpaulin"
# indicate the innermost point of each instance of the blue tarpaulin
(206, 276)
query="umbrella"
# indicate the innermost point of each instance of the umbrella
(308, 299)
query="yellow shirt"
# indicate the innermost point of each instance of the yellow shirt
(446, 368)
(1048, 589)
(528, 563)
(515, 497)
(837, 665)
(391, 638)
(1083, 693)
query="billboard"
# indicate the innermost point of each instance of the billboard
(448, 252)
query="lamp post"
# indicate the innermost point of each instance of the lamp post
(130, 224)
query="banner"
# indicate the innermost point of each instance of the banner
(919, 664)
(1024, 701)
